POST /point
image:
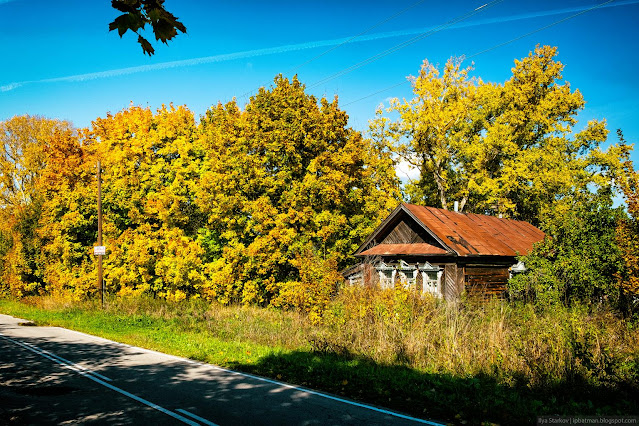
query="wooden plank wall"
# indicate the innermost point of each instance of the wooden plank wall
(449, 289)
(402, 234)
(371, 276)
(486, 282)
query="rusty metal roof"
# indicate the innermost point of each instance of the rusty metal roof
(407, 249)
(470, 234)
(461, 234)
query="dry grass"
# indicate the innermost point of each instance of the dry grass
(507, 341)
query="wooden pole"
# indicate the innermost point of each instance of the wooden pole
(100, 280)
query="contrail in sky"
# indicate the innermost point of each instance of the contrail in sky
(294, 47)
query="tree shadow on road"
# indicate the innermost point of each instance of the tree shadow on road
(472, 400)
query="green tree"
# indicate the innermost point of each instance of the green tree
(579, 259)
(287, 179)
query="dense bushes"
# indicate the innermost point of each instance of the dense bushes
(579, 259)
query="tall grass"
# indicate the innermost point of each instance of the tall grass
(511, 342)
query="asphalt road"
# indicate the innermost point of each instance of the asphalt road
(50, 375)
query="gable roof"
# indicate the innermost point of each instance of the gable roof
(460, 234)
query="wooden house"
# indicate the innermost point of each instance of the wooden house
(443, 252)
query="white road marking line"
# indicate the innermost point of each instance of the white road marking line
(275, 382)
(70, 363)
(73, 367)
(335, 398)
(198, 418)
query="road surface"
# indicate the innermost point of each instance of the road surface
(51, 375)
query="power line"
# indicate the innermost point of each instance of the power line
(378, 24)
(539, 29)
(356, 36)
(492, 47)
(406, 43)
(376, 93)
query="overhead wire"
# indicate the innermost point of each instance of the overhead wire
(406, 43)
(378, 24)
(492, 48)
(390, 18)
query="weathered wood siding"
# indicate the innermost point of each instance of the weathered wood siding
(371, 277)
(402, 234)
(484, 282)
(449, 285)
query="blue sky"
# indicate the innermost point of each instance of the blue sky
(59, 59)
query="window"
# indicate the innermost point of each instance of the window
(356, 279)
(431, 278)
(386, 275)
(386, 278)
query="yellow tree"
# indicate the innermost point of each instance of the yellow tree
(435, 131)
(68, 225)
(529, 158)
(23, 157)
(284, 181)
(502, 148)
(151, 168)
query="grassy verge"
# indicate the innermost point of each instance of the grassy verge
(491, 363)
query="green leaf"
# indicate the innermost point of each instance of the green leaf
(146, 46)
(128, 21)
(163, 30)
(126, 6)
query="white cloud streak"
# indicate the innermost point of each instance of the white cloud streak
(293, 47)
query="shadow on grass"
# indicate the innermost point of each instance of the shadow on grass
(471, 400)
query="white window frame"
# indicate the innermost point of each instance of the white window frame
(356, 279)
(428, 285)
(385, 281)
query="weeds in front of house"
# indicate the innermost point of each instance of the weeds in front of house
(496, 362)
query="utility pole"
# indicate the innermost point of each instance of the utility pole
(100, 249)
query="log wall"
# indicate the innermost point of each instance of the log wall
(485, 282)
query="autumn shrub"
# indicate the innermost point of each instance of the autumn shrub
(317, 284)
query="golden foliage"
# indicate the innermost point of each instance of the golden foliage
(628, 233)
(503, 148)
(24, 145)
(250, 206)
(284, 179)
